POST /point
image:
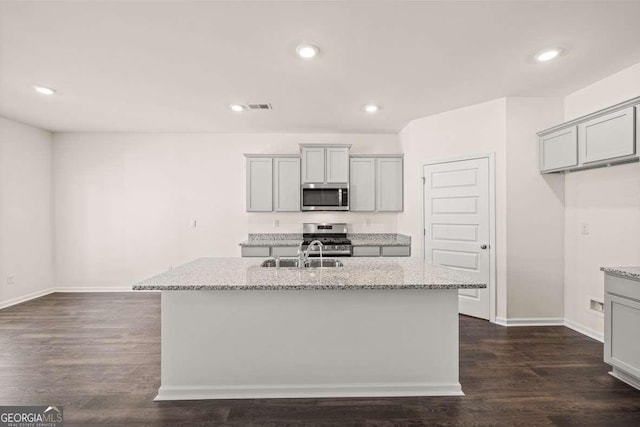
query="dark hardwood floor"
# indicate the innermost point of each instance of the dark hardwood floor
(98, 355)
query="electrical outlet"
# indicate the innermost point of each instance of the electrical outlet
(276, 222)
(367, 222)
(11, 280)
(584, 228)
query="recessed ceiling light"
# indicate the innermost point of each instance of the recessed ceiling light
(237, 108)
(307, 51)
(371, 108)
(44, 90)
(548, 55)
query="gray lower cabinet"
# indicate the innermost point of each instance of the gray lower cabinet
(255, 251)
(284, 251)
(259, 184)
(396, 251)
(381, 251)
(376, 184)
(621, 328)
(273, 183)
(366, 251)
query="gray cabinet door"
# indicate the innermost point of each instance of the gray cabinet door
(286, 188)
(559, 149)
(313, 164)
(607, 137)
(362, 185)
(389, 188)
(259, 184)
(337, 164)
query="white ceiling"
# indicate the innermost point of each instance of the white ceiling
(176, 66)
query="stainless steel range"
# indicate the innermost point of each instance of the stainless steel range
(332, 236)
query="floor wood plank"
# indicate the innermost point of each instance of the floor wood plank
(98, 355)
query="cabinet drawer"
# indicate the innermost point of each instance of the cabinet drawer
(288, 251)
(255, 251)
(559, 149)
(396, 251)
(366, 251)
(608, 136)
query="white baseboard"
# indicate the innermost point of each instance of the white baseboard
(38, 294)
(530, 321)
(598, 336)
(625, 378)
(250, 391)
(25, 298)
(96, 289)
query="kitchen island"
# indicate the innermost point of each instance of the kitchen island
(375, 327)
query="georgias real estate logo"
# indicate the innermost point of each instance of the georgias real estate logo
(31, 416)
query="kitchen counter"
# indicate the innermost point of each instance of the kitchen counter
(358, 273)
(374, 328)
(628, 272)
(357, 239)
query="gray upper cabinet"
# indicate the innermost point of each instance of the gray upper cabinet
(313, 164)
(559, 149)
(603, 138)
(286, 185)
(376, 183)
(389, 188)
(325, 163)
(337, 159)
(608, 136)
(259, 184)
(362, 185)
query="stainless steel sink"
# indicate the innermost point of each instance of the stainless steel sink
(312, 263)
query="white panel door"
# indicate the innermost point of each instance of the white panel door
(337, 159)
(456, 218)
(286, 185)
(313, 164)
(362, 185)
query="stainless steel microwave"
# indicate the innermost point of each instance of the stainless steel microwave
(325, 197)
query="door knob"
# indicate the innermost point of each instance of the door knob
(483, 246)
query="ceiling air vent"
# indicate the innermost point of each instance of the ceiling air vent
(260, 107)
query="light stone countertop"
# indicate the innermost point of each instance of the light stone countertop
(627, 272)
(357, 273)
(357, 239)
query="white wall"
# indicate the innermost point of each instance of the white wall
(529, 207)
(608, 200)
(125, 203)
(477, 129)
(26, 221)
(535, 214)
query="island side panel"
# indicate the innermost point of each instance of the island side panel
(309, 343)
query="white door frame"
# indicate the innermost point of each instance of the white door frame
(492, 218)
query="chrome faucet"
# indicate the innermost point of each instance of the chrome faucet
(303, 256)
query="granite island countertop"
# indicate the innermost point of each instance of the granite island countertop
(357, 273)
(627, 272)
(357, 239)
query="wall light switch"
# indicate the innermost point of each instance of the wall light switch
(584, 228)
(11, 280)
